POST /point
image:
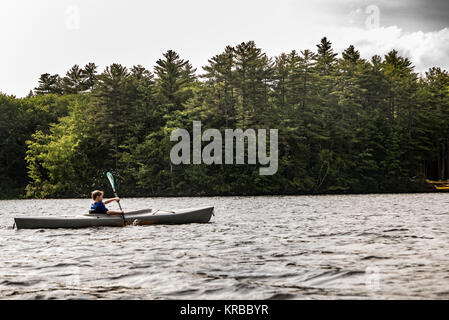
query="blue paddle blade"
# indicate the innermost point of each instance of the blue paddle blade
(111, 180)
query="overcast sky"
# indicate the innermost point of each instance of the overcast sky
(40, 36)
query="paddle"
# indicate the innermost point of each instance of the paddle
(111, 180)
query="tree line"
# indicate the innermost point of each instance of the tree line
(346, 125)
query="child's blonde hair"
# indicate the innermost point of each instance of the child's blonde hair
(96, 193)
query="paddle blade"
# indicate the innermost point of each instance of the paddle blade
(111, 180)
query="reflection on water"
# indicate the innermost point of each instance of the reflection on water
(305, 247)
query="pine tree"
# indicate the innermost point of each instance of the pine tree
(108, 111)
(73, 82)
(49, 84)
(89, 76)
(219, 75)
(174, 76)
(253, 80)
(320, 116)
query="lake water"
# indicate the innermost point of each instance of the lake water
(292, 247)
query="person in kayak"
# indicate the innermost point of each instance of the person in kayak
(99, 205)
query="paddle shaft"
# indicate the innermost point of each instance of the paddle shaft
(120, 206)
(115, 194)
(111, 180)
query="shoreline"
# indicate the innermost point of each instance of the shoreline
(242, 196)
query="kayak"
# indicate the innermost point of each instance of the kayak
(141, 217)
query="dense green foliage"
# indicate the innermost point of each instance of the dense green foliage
(346, 125)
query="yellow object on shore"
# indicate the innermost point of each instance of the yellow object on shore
(437, 181)
(445, 187)
(439, 184)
